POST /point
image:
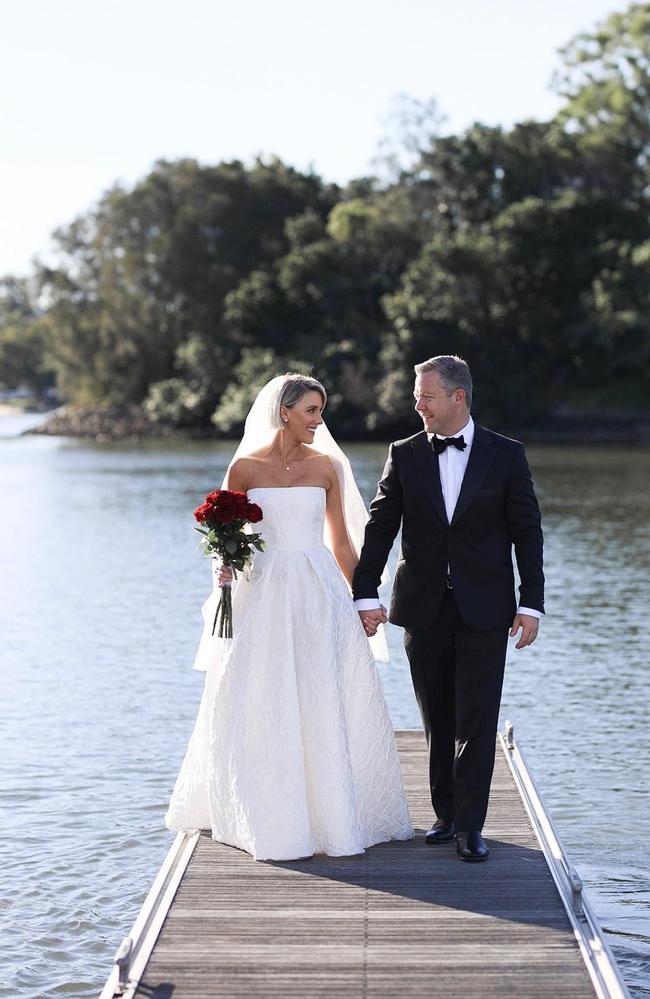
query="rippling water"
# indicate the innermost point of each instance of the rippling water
(100, 592)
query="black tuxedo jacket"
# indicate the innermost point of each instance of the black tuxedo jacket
(496, 509)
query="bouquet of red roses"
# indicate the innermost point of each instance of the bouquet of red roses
(223, 516)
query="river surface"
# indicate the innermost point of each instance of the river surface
(100, 594)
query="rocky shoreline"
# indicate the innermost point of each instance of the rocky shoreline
(98, 423)
(131, 423)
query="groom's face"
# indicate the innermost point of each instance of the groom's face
(439, 410)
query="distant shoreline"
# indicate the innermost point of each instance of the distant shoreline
(132, 424)
(16, 409)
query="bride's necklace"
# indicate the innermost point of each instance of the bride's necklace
(288, 462)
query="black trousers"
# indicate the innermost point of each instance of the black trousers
(457, 676)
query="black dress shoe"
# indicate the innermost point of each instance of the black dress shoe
(442, 831)
(471, 846)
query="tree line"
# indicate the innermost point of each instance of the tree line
(526, 250)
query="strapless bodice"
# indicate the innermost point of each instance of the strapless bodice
(293, 517)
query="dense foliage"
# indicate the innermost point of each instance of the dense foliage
(525, 250)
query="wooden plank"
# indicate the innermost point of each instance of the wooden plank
(404, 918)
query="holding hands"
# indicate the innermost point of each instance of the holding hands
(371, 619)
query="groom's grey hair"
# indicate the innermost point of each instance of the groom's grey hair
(454, 373)
(295, 386)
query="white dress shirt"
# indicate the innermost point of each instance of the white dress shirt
(452, 464)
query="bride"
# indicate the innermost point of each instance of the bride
(293, 752)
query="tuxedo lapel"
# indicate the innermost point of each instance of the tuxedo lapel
(426, 462)
(480, 459)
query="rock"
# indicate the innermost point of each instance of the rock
(100, 423)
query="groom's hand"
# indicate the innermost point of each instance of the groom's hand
(371, 619)
(529, 627)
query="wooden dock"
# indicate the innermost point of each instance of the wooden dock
(403, 919)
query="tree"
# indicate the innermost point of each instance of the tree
(411, 127)
(605, 81)
(518, 295)
(23, 361)
(151, 267)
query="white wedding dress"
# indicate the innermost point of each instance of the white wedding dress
(293, 752)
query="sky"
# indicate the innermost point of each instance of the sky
(95, 91)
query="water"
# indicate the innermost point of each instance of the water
(100, 593)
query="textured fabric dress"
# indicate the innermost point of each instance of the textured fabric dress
(293, 751)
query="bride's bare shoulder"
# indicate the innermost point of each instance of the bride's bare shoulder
(325, 464)
(242, 471)
(250, 460)
(325, 459)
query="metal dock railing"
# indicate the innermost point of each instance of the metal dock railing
(595, 950)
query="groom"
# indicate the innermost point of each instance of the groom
(464, 497)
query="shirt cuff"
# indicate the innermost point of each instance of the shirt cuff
(529, 611)
(367, 603)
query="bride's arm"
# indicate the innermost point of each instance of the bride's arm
(341, 548)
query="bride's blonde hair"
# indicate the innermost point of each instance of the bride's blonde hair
(293, 389)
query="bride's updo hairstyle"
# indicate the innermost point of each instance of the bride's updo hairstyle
(293, 389)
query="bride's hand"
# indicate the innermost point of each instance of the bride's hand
(372, 619)
(225, 576)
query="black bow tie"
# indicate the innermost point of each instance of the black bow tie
(440, 443)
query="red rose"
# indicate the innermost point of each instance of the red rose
(253, 513)
(224, 506)
(241, 504)
(202, 512)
